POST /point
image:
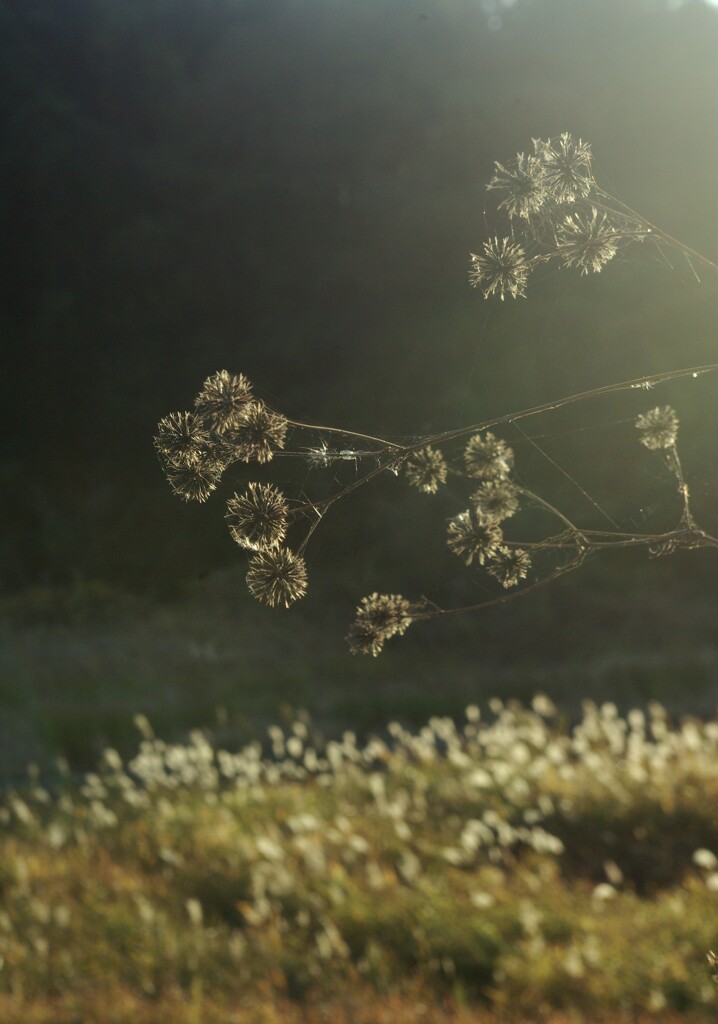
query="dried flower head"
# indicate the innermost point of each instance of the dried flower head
(378, 617)
(258, 518)
(364, 638)
(426, 469)
(257, 432)
(277, 576)
(487, 457)
(510, 565)
(222, 398)
(566, 165)
(469, 537)
(587, 242)
(222, 452)
(522, 185)
(502, 268)
(181, 439)
(659, 427)
(495, 501)
(193, 482)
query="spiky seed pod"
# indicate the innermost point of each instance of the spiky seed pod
(222, 398)
(365, 638)
(567, 173)
(378, 618)
(258, 518)
(502, 268)
(495, 501)
(587, 242)
(390, 612)
(426, 469)
(221, 452)
(181, 439)
(277, 576)
(257, 432)
(659, 427)
(194, 482)
(509, 565)
(470, 538)
(522, 186)
(487, 457)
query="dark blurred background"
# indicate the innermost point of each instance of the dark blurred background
(290, 189)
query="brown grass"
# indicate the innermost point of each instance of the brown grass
(360, 1006)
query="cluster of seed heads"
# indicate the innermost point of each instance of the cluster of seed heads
(195, 448)
(378, 618)
(476, 534)
(557, 210)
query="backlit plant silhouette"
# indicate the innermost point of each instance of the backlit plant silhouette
(557, 212)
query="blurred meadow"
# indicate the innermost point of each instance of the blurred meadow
(290, 189)
(506, 869)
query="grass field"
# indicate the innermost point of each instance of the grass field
(502, 868)
(77, 662)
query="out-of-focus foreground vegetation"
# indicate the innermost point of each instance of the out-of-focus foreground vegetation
(513, 869)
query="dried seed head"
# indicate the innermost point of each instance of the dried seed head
(566, 165)
(277, 576)
(365, 638)
(257, 432)
(587, 242)
(659, 427)
(487, 457)
(378, 617)
(502, 268)
(470, 538)
(495, 501)
(510, 565)
(194, 482)
(258, 518)
(222, 399)
(391, 612)
(181, 439)
(426, 469)
(222, 452)
(522, 186)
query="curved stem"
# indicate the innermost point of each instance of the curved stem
(634, 384)
(302, 547)
(535, 410)
(659, 232)
(571, 527)
(436, 612)
(353, 486)
(450, 435)
(505, 598)
(345, 433)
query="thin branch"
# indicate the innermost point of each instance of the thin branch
(659, 232)
(505, 598)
